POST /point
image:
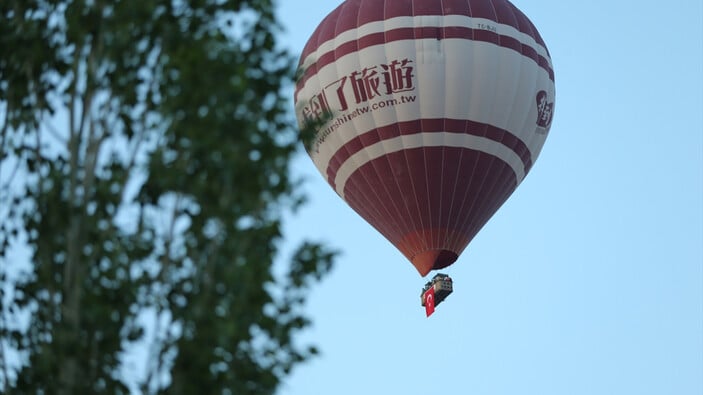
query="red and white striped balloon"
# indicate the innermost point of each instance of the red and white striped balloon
(432, 112)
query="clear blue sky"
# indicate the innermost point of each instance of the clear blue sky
(589, 280)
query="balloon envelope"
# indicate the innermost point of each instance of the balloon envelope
(428, 115)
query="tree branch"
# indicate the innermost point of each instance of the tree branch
(73, 270)
(3, 138)
(4, 127)
(159, 346)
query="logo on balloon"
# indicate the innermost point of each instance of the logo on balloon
(361, 86)
(545, 110)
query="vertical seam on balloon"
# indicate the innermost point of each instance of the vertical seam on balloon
(502, 183)
(412, 182)
(372, 210)
(490, 207)
(408, 222)
(467, 198)
(497, 187)
(448, 241)
(394, 227)
(501, 189)
(417, 221)
(379, 210)
(444, 128)
(400, 224)
(427, 210)
(414, 243)
(492, 162)
(492, 158)
(453, 240)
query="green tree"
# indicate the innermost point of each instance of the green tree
(145, 149)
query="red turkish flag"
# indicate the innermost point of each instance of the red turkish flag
(429, 301)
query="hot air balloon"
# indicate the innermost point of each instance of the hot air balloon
(428, 114)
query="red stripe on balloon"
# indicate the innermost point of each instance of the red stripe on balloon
(354, 13)
(454, 32)
(374, 136)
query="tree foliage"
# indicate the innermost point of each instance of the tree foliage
(145, 150)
